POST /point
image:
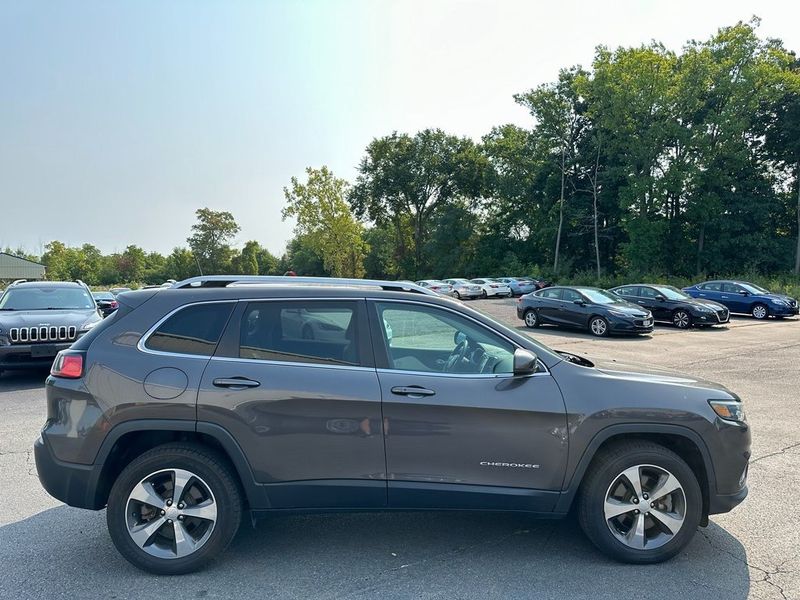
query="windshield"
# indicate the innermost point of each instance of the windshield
(103, 295)
(671, 293)
(754, 289)
(599, 296)
(46, 298)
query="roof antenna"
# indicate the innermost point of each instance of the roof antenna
(199, 268)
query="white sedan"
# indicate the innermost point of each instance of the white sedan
(492, 287)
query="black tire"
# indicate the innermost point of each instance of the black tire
(598, 326)
(603, 472)
(759, 311)
(457, 295)
(531, 318)
(205, 464)
(484, 295)
(682, 319)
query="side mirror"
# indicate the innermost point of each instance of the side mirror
(744, 293)
(579, 302)
(525, 362)
(661, 298)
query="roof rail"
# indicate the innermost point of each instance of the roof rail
(227, 280)
(15, 282)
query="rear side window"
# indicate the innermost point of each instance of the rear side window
(714, 287)
(552, 293)
(625, 291)
(317, 332)
(194, 330)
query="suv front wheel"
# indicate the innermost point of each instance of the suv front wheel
(174, 508)
(640, 503)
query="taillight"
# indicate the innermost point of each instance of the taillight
(114, 304)
(68, 364)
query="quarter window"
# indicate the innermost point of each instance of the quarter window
(317, 332)
(192, 330)
(429, 339)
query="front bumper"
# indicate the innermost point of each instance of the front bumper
(468, 293)
(783, 311)
(72, 484)
(620, 325)
(722, 503)
(24, 356)
(716, 318)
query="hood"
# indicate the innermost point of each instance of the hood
(40, 318)
(646, 373)
(633, 310)
(778, 297)
(703, 302)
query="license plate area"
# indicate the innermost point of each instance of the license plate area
(44, 351)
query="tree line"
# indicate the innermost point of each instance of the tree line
(648, 161)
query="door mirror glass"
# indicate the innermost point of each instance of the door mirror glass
(525, 362)
(459, 336)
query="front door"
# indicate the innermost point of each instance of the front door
(294, 382)
(462, 431)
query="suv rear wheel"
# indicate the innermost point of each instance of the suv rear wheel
(640, 503)
(174, 508)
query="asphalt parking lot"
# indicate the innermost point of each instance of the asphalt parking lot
(48, 550)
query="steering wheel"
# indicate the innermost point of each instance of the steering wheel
(456, 356)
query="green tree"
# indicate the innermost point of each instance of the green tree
(324, 220)
(210, 240)
(404, 180)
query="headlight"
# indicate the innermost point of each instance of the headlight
(618, 313)
(779, 302)
(704, 309)
(730, 410)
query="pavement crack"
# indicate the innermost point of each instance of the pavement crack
(776, 453)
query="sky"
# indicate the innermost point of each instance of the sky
(119, 119)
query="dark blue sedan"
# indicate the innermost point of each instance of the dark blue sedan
(745, 298)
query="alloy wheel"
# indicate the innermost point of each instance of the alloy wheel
(681, 319)
(171, 513)
(531, 319)
(760, 311)
(598, 326)
(645, 507)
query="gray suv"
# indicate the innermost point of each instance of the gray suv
(192, 408)
(40, 318)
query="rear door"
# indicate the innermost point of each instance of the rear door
(461, 430)
(294, 382)
(549, 305)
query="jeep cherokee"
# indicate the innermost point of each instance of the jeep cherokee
(224, 397)
(39, 318)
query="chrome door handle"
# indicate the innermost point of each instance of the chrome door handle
(235, 383)
(413, 391)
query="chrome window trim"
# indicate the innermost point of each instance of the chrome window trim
(286, 363)
(141, 344)
(479, 324)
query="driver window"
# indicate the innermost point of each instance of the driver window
(429, 339)
(732, 288)
(648, 292)
(571, 295)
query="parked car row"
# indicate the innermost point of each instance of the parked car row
(484, 287)
(634, 308)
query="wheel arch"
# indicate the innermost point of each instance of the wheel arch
(131, 439)
(685, 442)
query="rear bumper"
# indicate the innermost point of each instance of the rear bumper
(20, 356)
(72, 484)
